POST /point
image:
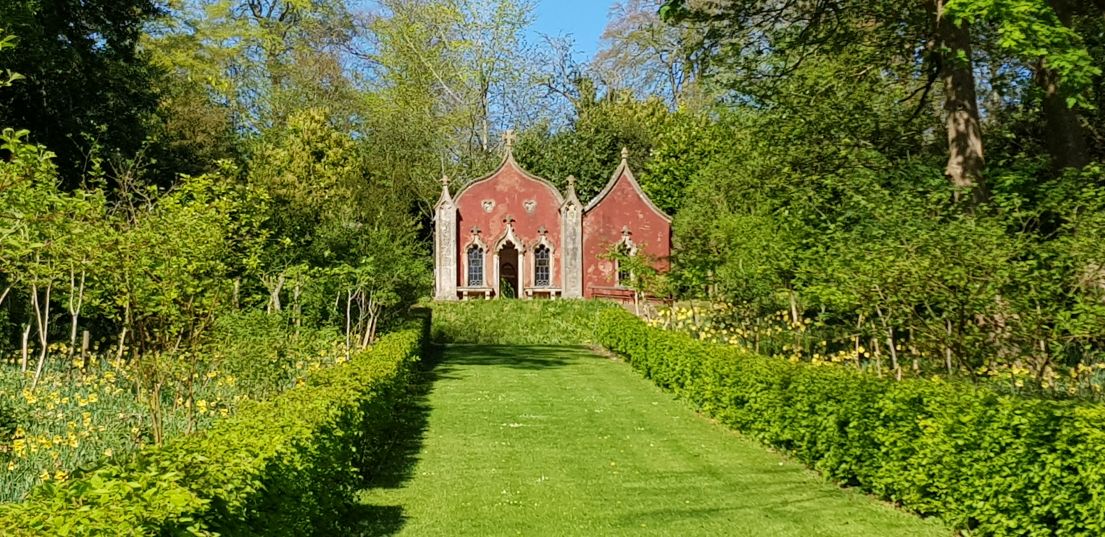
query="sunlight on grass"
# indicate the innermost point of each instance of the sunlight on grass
(542, 440)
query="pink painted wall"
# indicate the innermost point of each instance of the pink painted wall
(622, 207)
(510, 188)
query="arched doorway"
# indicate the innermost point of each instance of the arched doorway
(509, 258)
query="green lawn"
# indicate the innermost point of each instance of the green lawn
(516, 440)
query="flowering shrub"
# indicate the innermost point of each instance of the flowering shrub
(989, 462)
(780, 335)
(279, 467)
(83, 411)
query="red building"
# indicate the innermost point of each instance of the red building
(514, 234)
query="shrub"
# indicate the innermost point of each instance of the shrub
(8, 424)
(517, 322)
(265, 353)
(992, 463)
(287, 466)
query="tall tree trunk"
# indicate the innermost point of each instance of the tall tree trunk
(965, 152)
(1065, 137)
(123, 332)
(274, 295)
(75, 304)
(42, 318)
(348, 321)
(25, 350)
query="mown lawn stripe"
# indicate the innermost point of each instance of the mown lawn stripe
(545, 440)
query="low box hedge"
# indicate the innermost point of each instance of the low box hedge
(987, 463)
(287, 466)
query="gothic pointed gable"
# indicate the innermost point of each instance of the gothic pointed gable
(510, 167)
(537, 242)
(623, 182)
(621, 214)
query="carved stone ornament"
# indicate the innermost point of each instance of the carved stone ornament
(488, 205)
(529, 206)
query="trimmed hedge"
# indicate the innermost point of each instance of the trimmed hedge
(985, 462)
(287, 466)
(517, 322)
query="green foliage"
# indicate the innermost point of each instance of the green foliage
(517, 322)
(591, 148)
(989, 463)
(87, 408)
(1030, 29)
(8, 424)
(280, 467)
(87, 84)
(266, 354)
(7, 77)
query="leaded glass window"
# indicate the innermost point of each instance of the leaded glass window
(475, 266)
(541, 272)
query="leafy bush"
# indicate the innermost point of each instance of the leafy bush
(266, 354)
(8, 424)
(287, 466)
(517, 322)
(991, 463)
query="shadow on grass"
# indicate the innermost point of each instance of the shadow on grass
(513, 356)
(399, 458)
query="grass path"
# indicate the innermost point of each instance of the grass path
(558, 441)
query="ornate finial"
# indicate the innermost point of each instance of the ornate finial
(509, 138)
(542, 231)
(625, 232)
(571, 181)
(445, 180)
(625, 153)
(509, 220)
(476, 231)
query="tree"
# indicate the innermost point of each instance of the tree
(87, 84)
(761, 40)
(652, 58)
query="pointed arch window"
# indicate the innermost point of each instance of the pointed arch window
(475, 266)
(542, 274)
(624, 275)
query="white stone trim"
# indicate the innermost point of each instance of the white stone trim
(473, 241)
(571, 241)
(445, 246)
(542, 240)
(520, 246)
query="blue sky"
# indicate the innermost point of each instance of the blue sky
(583, 19)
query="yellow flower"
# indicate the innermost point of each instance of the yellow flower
(60, 475)
(108, 452)
(11, 466)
